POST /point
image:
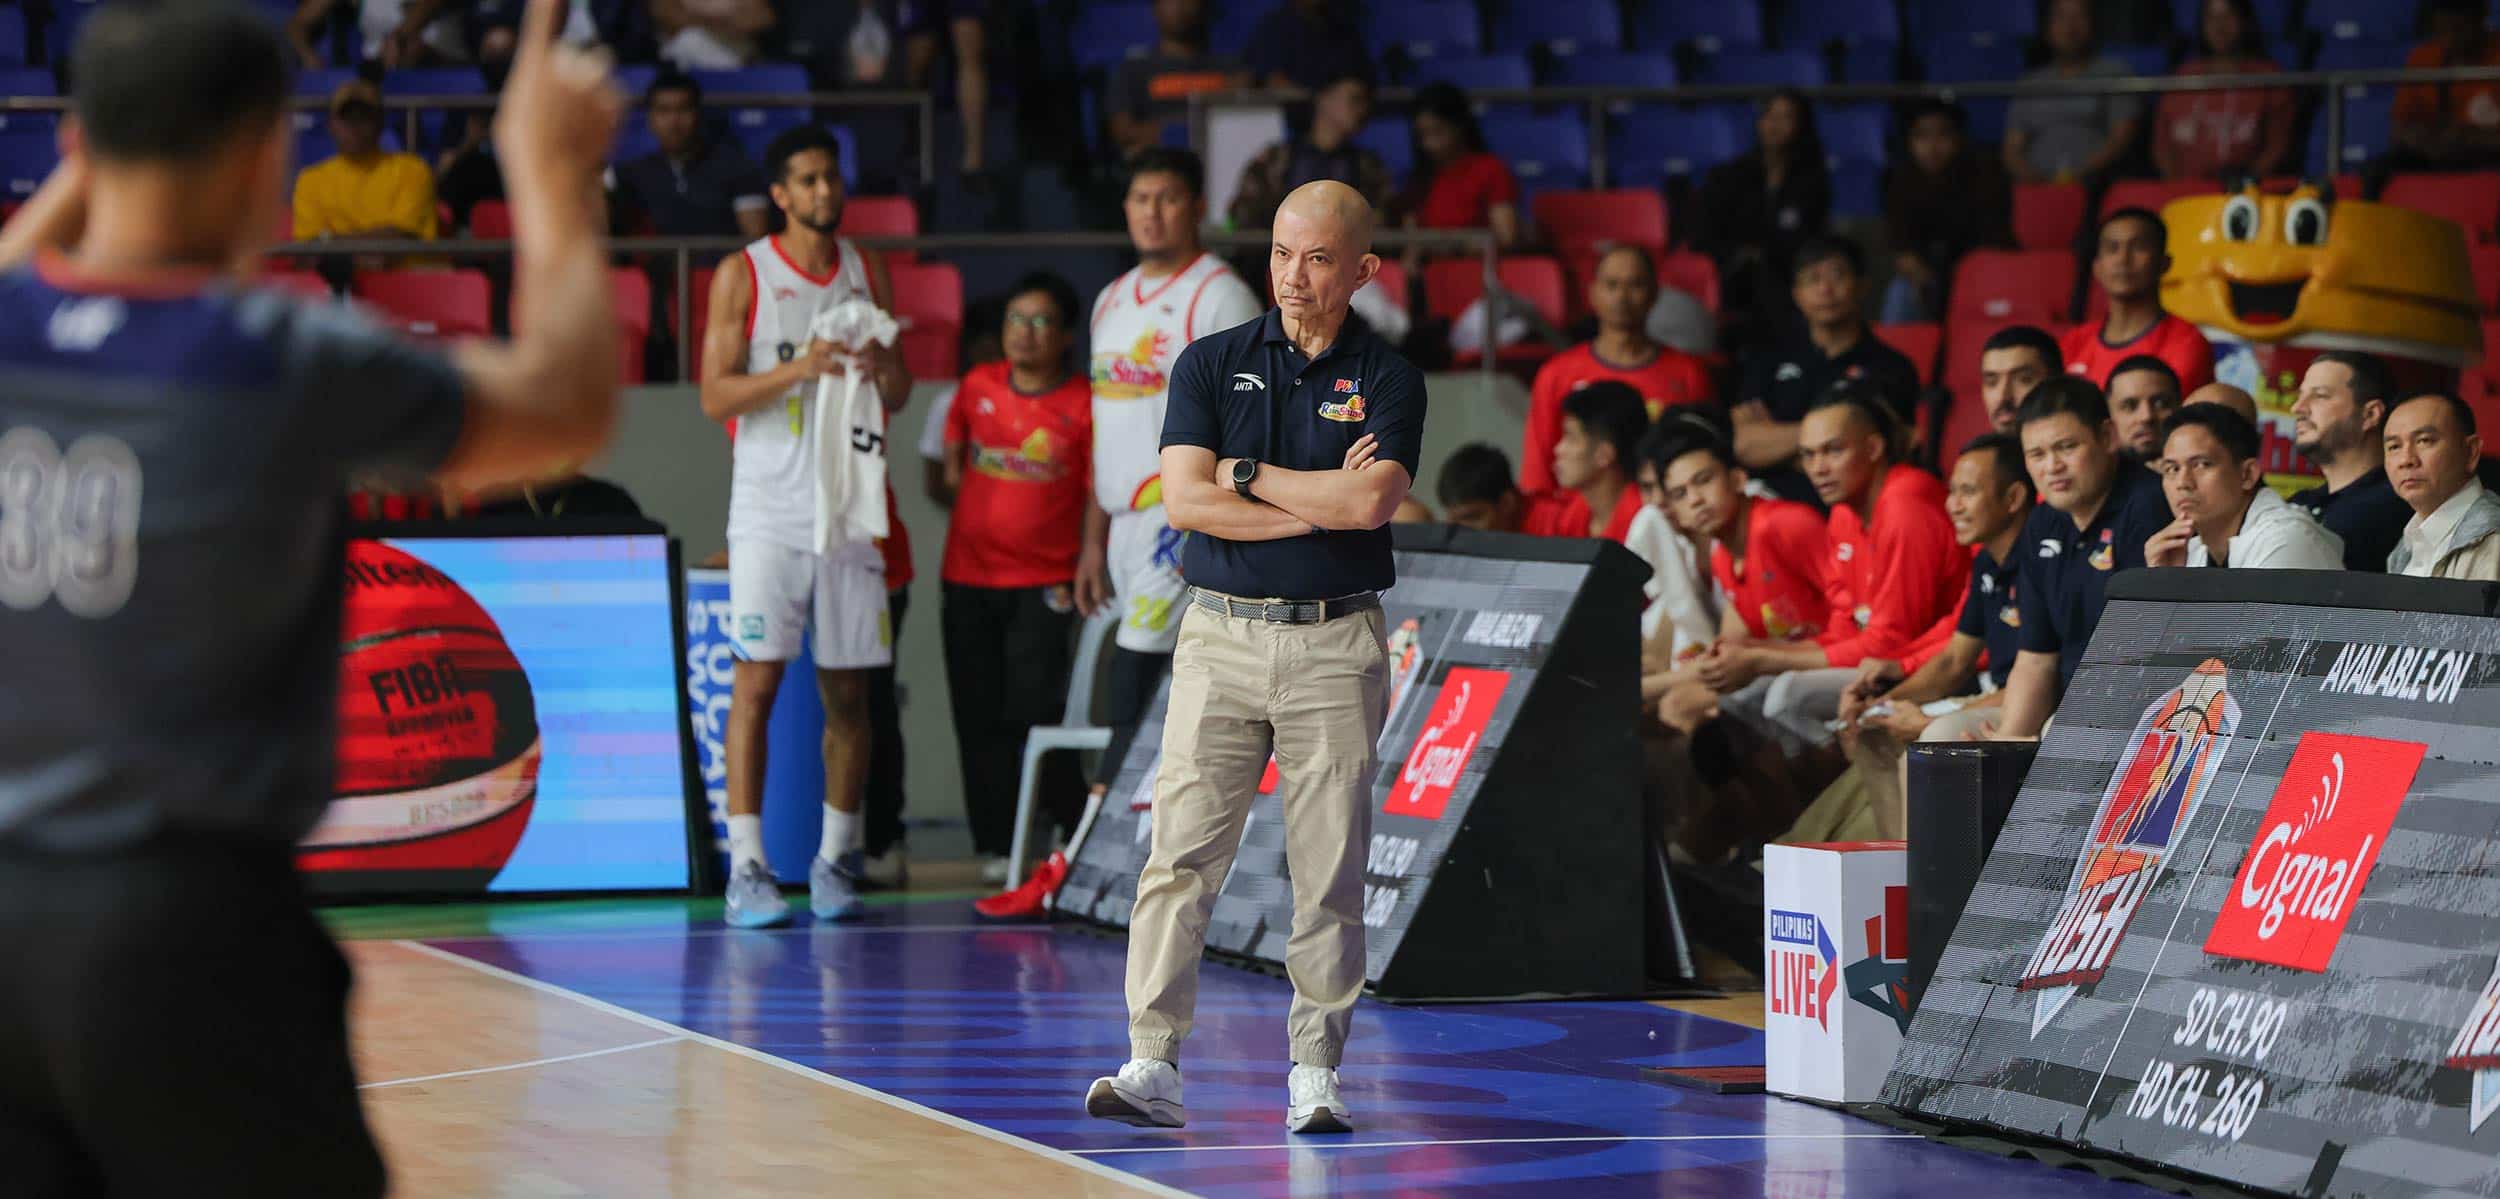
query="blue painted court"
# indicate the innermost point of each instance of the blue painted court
(1002, 1027)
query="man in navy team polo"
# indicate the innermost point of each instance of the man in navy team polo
(1288, 444)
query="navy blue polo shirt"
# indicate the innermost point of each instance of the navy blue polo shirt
(1990, 614)
(1249, 392)
(2064, 571)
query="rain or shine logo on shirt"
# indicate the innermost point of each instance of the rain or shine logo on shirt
(1349, 412)
(1137, 373)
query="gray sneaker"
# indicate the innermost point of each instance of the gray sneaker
(833, 888)
(754, 899)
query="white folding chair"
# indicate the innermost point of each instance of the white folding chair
(1075, 731)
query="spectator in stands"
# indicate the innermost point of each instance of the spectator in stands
(2012, 361)
(960, 22)
(2227, 516)
(365, 191)
(1894, 703)
(1592, 464)
(2143, 392)
(2203, 135)
(2432, 449)
(1307, 43)
(1018, 438)
(1944, 201)
(1148, 97)
(1456, 184)
(2448, 126)
(2226, 395)
(1895, 577)
(1476, 490)
(1621, 290)
(694, 185)
(2096, 512)
(2336, 424)
(980, 346)
(711, 35)
(2070, 139)
(1325, 150)
(1757, 209)
(2132, 249)
(394, 33)
(1780, 386)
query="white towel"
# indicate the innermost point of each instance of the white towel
(849, 430)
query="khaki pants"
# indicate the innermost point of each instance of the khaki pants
(1883, 762)
(1316, 695)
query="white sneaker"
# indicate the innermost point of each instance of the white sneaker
(994, 871)
(1146, 1093)
(1312, 1102)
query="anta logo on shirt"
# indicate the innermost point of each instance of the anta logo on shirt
(1135, 373)
(2051, 547)
(1441, 752)
(784, 293)
(2313, 853)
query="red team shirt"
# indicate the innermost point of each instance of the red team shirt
(1779, 591)
(1672, 377)
(1898, 582)
(1021, 513)
(2170, 339)
(1566, 514)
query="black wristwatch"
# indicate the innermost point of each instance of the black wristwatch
(1244, 470)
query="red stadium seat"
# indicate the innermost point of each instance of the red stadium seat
(928, 302)
(2484, 259)
(442, 305)
(1586, 219)
(302, 283)
(491, 220)
(1451, 285)
(883, 216)
(2471, 199)
(2347, 187)
(2012, 286)
(1692, 273)
(631, 290)
(2153, 193)
(1393, 282)
(1918, 341)
(2048, 216)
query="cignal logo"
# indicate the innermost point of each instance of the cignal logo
(1803, 967)
(2170, 762)
(2477, 1049)
(2328, 821)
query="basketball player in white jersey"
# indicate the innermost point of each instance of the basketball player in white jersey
(1177, 293)
(760, 367)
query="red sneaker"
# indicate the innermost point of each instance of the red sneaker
(1030, 899)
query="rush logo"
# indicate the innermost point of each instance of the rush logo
(1799, 965)
(2078, 947)
(1441, 752)
(2328, 821)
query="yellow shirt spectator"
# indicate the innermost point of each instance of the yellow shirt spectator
(380, 195)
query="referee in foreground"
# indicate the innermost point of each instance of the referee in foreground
(1288, 444)
(174, 456)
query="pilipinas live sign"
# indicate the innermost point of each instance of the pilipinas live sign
(2242, 922)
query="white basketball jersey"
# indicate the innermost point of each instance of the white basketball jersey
(772, 473)
(1140, 327)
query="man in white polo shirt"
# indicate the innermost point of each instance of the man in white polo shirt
(2432, 450)
(2227, 516)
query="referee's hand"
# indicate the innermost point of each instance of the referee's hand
(560, 109)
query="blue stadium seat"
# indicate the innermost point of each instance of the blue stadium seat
(1853, 132)
(1765, 68)
(755, 129)
(1987, 116)
(1561, 26)
(1480, 71)
(435, 81)
(2366, 132)
(27, 81)
(1229, 26)
(26, 157)
(2289, 53)
(1655, 144)
(1107, 33)
(321, 82)
(634, 79)
(2361, 56)
(2142, 60)
(2274, 17)
(1708, 27)
(1810, 24)
(764, 77)
(634, 141)
(2362, 20)
(1870, 62)
(1424, 28)
(313, 143)
(1393, 140)
(1615, 70)
(1927, 20)
(1545, 152)
(1858, 189)
(62, 33)
(13, 36)
(1965, 59)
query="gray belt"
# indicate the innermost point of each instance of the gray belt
(1284, 611)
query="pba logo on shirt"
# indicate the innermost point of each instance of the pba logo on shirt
(2329, 819)
(2169, 764)
(1441, 752)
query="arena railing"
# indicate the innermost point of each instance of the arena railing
(680, 257)
(1597, 100)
